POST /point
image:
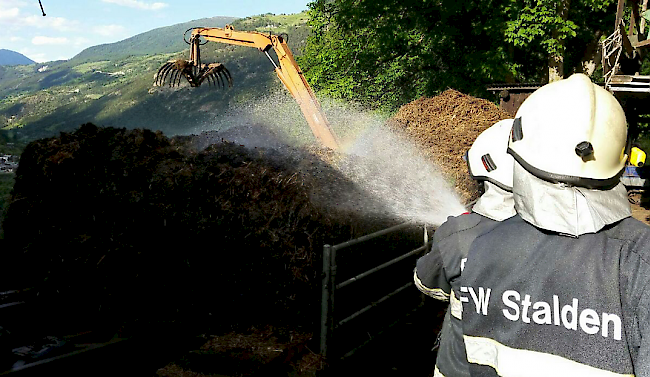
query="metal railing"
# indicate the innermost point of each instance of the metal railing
(329, 323)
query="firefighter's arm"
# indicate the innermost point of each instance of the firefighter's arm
(429, 275)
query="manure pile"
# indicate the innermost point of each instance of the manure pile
(132, 226)
(445, 127)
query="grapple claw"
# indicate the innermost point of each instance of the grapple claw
(218, 81)
(158, 80)
(215, 79)
(160, 75)
(179, 76)
(174, 76)
(211, 81)
(172, 71)
(168, 72)
(227, 74)
(213, 73)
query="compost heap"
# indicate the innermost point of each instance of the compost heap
(134, 226)
(445, 127)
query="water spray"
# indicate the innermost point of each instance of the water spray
(396, 180)
(392, 170)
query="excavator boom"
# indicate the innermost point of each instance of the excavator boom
(287, 70)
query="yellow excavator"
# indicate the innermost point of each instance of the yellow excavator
(288, 71)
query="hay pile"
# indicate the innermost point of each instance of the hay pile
(445, 127)
(130, 226)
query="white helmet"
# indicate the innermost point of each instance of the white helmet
(571, 131)
(488, 160)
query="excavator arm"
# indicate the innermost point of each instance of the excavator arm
(287, 70)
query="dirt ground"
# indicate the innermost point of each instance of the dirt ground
(641, 213)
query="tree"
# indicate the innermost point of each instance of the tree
(555, 25)
(386, 52)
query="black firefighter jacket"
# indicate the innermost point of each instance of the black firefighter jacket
(544, 304)
(437, 274)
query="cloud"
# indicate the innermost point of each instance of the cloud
(8, 13)
(110, 30)
(15, 39)
(41, 40)
(15, 3)
(13, 18)
(137, 4)
(55, 23)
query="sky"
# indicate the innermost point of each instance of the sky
(73, 25)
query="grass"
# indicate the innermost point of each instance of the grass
(276, 24)
(92, 66)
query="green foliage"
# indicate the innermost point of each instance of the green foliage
(9, 143)
(540, 22)
(292, 26)
(550, 24)
(386, 53)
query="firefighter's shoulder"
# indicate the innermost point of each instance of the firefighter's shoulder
(456, 224)
(635, 233)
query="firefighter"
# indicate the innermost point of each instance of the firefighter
(437, 274)
(561, 288)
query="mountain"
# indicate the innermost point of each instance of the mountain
(112, 85)
(158, 41)
(8, 57)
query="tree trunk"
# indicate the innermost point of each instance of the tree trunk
(510, 78)
(592, 56)
(555, 68)
(556, 61)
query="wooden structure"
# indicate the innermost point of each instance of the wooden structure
(512, 95)
(622, 55)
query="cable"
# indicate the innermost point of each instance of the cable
(39, 2)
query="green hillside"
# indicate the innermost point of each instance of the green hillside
(109, 88)
(158, 41)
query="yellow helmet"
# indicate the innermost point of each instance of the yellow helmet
(571, 131)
